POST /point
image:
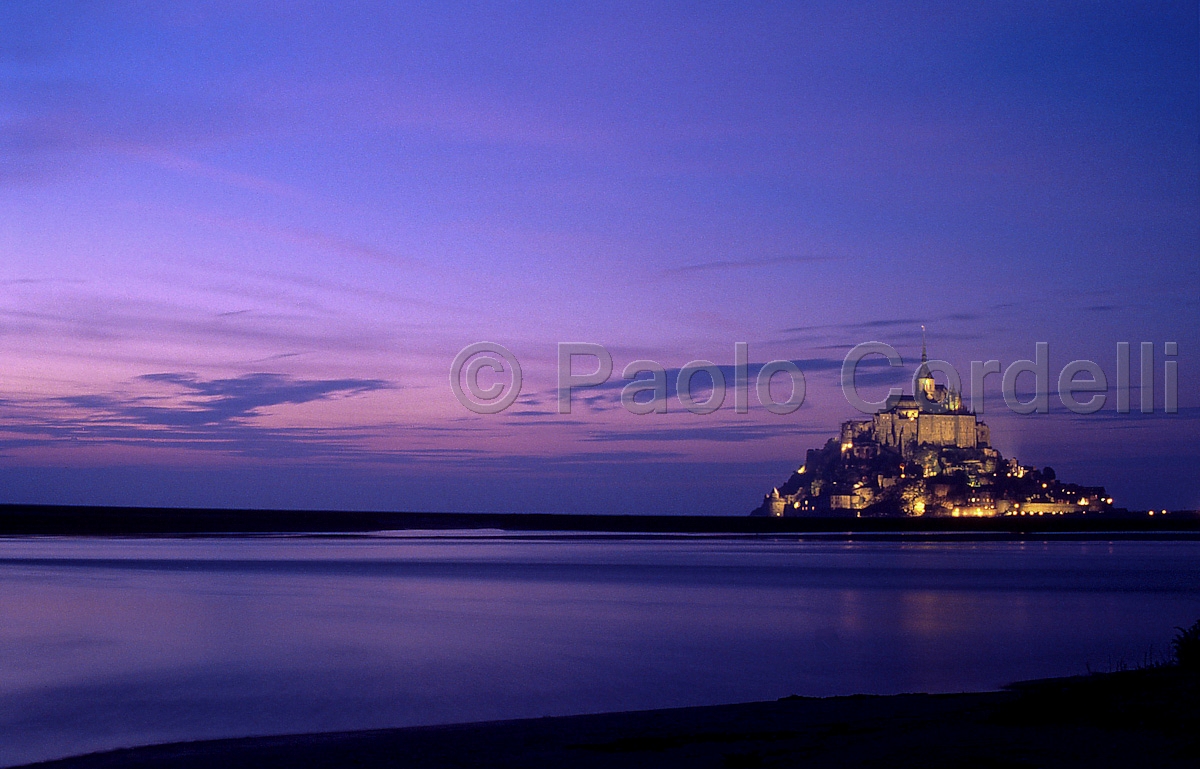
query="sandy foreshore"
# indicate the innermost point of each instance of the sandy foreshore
(1127, 719)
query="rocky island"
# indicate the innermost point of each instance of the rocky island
(924, 454)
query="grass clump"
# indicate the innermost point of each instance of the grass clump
(1186, 647)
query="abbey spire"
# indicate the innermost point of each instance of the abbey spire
(925, 383)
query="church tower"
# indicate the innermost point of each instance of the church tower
(925, 381)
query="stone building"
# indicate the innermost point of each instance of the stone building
(933, 416)
(927, 454)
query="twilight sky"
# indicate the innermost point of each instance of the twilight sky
(241, 242)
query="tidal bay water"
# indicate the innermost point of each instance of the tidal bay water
(115, 642)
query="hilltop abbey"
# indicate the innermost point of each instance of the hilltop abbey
(926, 454)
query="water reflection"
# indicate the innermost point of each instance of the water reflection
(114, 642)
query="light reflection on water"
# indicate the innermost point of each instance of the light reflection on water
(117, 642)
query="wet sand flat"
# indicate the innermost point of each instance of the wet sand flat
(1135, 718)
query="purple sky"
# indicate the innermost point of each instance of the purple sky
(240, 245)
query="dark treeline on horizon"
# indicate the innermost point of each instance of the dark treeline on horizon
(57, 520)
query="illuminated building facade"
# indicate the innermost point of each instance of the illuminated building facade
(925, 455)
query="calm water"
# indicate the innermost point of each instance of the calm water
(117, 642)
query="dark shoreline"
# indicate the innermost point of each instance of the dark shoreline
(1133, 718)
(62, 520)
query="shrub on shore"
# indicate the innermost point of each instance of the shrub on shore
(1186, 646)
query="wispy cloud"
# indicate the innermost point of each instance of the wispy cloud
(71, 323)
(907, 324)
(224, 416)
(180, 163)
(722, 433)
(216, 401)
(746, 264)
(702, 381)
(314, 239)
